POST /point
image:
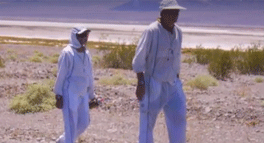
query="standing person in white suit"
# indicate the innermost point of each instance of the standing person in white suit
(157, 64)
(74, 85)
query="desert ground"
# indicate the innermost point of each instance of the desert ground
(231, 112)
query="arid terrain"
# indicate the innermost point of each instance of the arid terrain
(232, 112)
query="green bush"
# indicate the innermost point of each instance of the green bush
(2, 62)
(202, 56)
(37, 98)
(239, 60)
(202, 82)
(221, 64)
(120, 56)
(249, 61)
(255, 60)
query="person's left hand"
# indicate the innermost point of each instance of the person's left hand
(95, 102)
(59, 101)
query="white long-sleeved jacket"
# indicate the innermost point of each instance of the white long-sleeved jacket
(158, 53)
(74, 76)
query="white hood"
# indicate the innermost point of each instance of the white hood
(74, 43)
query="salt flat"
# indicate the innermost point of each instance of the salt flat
(208, 36)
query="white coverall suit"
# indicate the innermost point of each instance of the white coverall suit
(158, 55)
(75, 84)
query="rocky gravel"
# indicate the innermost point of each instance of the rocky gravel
(232, 112)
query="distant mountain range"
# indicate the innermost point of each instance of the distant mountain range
(199, 12)
(141, 0)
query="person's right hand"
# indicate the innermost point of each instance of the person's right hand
(59, 101)
(140, 91)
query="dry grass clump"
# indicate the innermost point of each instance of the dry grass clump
(12, 55)
(96, 60)
(202, 82)
(117, 80)
(258, 79)
(243, 91)
(37, 57)
(262, 103)
(2, 62)
(54, 58)
(54, 71)
(40, 54)
(189, 60)
(37, 98)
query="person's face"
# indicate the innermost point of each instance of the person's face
(170, 17)
(83, 38)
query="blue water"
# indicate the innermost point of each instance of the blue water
(198, 13)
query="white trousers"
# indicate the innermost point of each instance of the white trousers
(170, 98)
(76, 119)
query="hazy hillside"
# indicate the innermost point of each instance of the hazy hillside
(201, 12)
(142, 0)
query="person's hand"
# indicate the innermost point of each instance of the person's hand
(140, 91)
(59, 101)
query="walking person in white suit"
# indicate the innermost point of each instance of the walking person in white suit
(157, 64)
(74, 85)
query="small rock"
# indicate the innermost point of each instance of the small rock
(207, 110)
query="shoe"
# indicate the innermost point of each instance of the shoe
(61, 139)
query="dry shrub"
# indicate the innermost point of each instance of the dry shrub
(2, 62)
(12, 55)
(243, 91)
(38, 53)
(36, 59)
(54, 58)
(96, 60)
(262, 103)
(54, 71)
(37, 98)
(189, 60)
(202, 82)
(258, 79)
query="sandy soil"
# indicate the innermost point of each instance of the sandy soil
(231, 112)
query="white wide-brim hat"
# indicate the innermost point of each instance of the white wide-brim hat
(170, 4)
